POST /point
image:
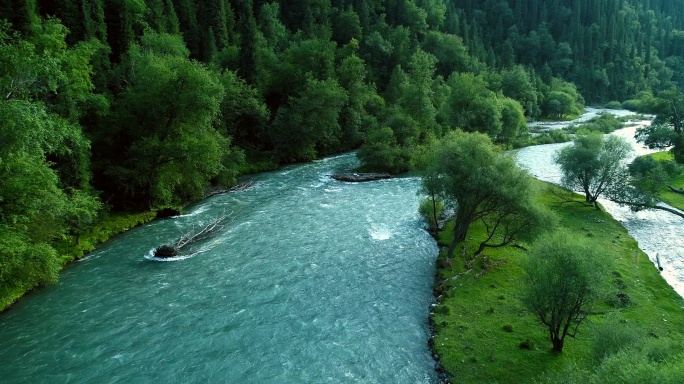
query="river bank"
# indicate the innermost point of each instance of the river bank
(72, 248)
(106, 227)
(484, 334)
(312, 280)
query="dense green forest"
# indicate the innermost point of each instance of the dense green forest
(145, 104)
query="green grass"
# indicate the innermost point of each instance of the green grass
(109, 225)
(70, 249)
(671, 198)
(469, 321)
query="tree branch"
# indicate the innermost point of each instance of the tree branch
(675, 189)
(648, 206)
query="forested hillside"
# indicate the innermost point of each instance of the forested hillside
(145, 104)
(611, 49)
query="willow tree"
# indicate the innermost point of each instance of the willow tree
(564, 278)
(594, 165)
(482, 185)
(667, 130)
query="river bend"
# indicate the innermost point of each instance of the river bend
(657, 232)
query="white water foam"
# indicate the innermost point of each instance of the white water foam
(379, 232)
(196, 212)
(208, 247)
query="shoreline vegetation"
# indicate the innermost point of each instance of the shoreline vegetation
(669, 196)
(73, 248)
(106, 227)
(483, 333)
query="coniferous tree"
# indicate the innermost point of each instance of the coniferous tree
(20, 13)
(247, 29)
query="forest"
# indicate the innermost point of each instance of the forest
(138, 105)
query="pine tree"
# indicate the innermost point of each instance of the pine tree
(20, 13)
(247, 54)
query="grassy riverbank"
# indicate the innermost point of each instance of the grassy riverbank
(483, 334)
(71, 248)
(108, 226)
(671, 198)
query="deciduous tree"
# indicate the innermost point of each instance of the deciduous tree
(667, 129)
(166, 148)
(482, 185)
(564, 277)
(593, 164)
(309, 124)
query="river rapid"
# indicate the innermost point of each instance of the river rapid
(658, 233)
(311, 281)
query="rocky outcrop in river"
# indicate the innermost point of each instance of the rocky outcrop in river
(360, 177)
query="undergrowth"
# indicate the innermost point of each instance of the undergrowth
(483, 333)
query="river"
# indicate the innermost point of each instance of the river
(658, 233)
(311, 281)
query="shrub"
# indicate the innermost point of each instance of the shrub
(632, 105)
(614, 105)
(442, 310)
(612, 338)
(526, 344)
(620, 300)
(430, 210)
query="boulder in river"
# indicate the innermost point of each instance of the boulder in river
(164, 251)
(167, 212)
(355, 177)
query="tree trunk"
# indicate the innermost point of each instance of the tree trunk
(460, 231)
(587, 194)
(434, 212)
(481, 248)
(557, 343)
(675, 190)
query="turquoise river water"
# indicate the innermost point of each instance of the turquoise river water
(311, 281)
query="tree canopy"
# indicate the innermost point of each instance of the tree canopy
(564, 277)
(593, 164)
(667, 129)
(482, 185)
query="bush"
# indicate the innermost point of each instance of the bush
(620, 300)
(614, 105)
(442, 310)
(604, 123)
(660, 351)
(429, 209)
(612, 338)
(526, 344)
(632, 105)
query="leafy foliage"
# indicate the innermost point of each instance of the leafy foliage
(44, 162)
(593, 164)
(667, 130)
(563, 280)
(165, 116)
(481, 185)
